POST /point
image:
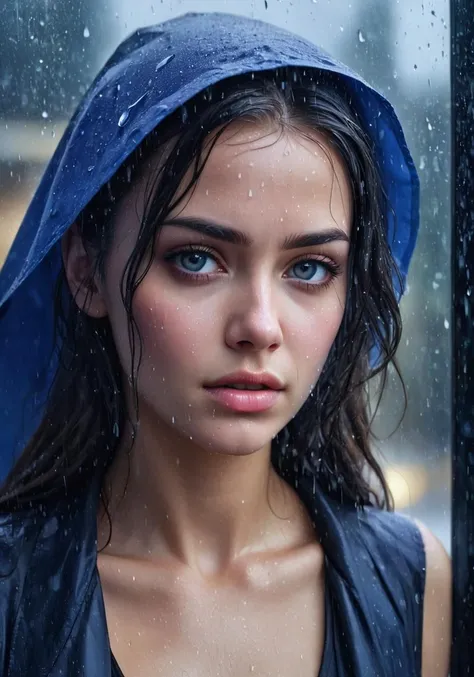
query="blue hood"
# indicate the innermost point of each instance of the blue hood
(152, 73)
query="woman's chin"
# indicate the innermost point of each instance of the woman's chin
(233, 442)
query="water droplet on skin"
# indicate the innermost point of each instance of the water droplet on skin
(250, 193)
(86, 33)
(239, 176)
(361, 36)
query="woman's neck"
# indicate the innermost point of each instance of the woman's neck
(204, 509)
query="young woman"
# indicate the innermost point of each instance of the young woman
(226, 227)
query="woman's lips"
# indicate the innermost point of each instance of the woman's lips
(248, 401)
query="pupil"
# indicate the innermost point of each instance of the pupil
(195, 261)
(306, 269)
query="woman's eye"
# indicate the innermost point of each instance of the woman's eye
(195, 262)
(311, 271)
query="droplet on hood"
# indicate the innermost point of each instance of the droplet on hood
(123, 119)
(164, 61)
(361, 36)
(86, 33)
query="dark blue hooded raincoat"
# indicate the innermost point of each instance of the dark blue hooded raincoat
(52, 619)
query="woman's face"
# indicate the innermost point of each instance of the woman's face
(248, 279)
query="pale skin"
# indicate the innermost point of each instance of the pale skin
(214, 566)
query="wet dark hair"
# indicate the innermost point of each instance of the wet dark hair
(331, 434)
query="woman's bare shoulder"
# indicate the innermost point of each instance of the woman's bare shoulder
(437, 607)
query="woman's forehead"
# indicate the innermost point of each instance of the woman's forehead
(261, 175)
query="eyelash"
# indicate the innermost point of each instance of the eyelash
(333, 268)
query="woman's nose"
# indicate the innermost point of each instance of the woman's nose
(254, 322)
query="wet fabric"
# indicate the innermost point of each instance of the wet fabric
(151, 75)
(50, 588)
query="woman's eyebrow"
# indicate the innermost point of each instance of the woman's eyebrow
(234, 236)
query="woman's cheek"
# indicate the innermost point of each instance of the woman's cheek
(315, 330)
(171, 327)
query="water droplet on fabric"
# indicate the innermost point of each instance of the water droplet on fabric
(86, 33)
(164, 61)
(123, 119)
(44, 115)
(361, 36)
(446, 324)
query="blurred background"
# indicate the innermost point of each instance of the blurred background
(50, 51)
